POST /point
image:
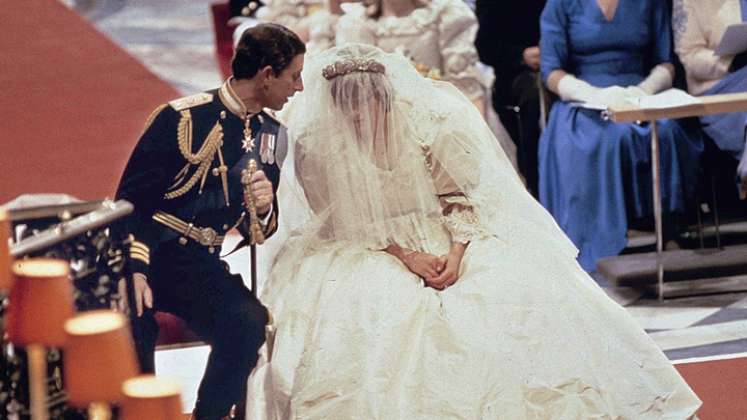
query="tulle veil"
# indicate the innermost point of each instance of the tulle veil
(362, 149)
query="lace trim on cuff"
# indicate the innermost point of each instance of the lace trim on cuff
(463, 224)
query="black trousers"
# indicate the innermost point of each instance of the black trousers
(196, 286)
(524, 125)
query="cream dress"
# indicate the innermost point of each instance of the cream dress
(524, 333)
(308, 17)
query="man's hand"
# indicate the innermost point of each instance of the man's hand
(261, 189)
(143, 294)
(531, 58)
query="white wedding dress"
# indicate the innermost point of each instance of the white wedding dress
(524, 333)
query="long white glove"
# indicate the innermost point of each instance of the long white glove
(572, 89)
(659, 79)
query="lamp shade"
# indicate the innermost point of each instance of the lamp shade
(99, 356)
(150, 397)
(5, 277)
(41, 299)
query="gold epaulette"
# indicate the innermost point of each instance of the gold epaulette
(152, 116)
(191, 101)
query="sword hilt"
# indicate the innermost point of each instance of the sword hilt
(257, 236)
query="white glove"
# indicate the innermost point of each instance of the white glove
(659, 79)
(572, 89)
(635, 92)
(611, 96)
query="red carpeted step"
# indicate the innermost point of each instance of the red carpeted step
(721, 385)
(73, 103)
(679, 265)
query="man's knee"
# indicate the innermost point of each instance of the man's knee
(247, 325)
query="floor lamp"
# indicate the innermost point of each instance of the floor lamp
(99, 356)
(41, 299)
(151, 397)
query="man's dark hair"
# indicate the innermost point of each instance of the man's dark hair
(267, 44)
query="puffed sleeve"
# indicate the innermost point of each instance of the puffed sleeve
(554, 52)
(457, 27)
(283, 12)
(661, 34)
(354, 28)
(146, 178)
(321, 26)
(691, 44)
(455, 171)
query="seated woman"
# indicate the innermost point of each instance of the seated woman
(699, 26)
(595, 175)
(437, 35)
(426, 282)
(310, 19)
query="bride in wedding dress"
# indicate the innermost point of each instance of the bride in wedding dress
(421, 281)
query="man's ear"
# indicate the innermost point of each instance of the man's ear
(267, 73)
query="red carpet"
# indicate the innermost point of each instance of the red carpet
(721, 385)
(73, 103)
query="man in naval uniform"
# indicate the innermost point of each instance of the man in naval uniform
(184, 179)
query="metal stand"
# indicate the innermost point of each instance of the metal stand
(704, 105)
(655, 168)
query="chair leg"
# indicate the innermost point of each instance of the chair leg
(699, 214)
(714, 200)
(544, 103)
(521, 157)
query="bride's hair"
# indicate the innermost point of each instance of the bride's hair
(354, 81)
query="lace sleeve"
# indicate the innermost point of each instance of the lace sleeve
(321, 31)
(457, 31)
(458, 213)
(460, 219)
(284, 12)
